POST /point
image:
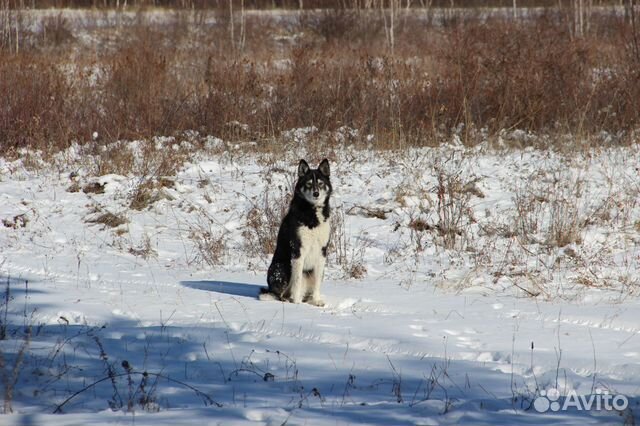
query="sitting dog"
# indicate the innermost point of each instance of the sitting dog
(297, 267)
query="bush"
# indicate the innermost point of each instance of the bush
(471, 78)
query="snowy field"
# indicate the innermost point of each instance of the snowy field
(463, 285)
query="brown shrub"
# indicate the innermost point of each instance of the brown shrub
(56, 30)
(108, 219)
(537, 76)
(263, 220)
(472, 77)
(210, 246)
(147, 193)
(34, 102)
(342, 25)
(140, 93)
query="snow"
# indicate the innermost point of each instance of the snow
(430, 335)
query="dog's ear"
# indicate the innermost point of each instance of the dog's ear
(324, 167)
(303, 168)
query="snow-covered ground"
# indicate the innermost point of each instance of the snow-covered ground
(535, 289)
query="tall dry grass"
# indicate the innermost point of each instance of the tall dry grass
(470, 75)
(279, 4)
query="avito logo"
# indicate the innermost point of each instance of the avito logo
(601, 400)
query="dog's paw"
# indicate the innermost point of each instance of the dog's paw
(267, 296)
(316, 302)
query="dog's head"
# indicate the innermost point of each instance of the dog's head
(314, 184)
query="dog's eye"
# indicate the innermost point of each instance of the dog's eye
(321, 184)
(308, 184)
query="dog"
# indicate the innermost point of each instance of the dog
(297, 267)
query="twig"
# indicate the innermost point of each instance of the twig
(558, 351)
(595, 365)
(206, 398)
(397, 382)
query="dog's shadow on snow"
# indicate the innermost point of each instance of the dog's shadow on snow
(225, 287)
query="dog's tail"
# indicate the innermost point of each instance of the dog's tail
(265, 295)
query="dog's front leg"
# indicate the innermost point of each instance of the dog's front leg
(316, 298)
(297, 283)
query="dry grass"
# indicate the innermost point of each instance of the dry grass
(344, 250)
(551, 211)
(210, 245)
(454, 192)
(144, 249)
(222, 5)
(420, 225)
(264, 217)
(147, 193)
(91, 188)
(470, 77)
(18, 221)
(108, 219)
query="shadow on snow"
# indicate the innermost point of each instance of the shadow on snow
(225, 287)
(233, 378)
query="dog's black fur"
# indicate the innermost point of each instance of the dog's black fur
(301, 214)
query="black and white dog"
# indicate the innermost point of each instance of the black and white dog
(297, 267)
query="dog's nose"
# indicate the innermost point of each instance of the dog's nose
(316, 194)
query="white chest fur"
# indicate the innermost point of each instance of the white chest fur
(312, 240)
